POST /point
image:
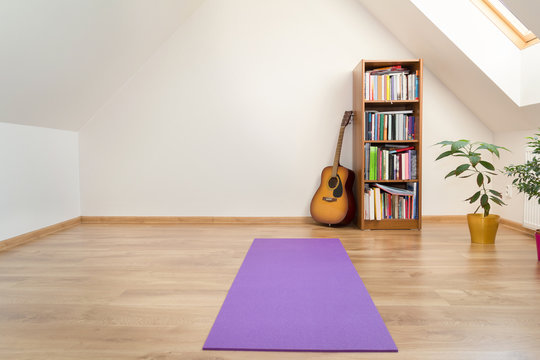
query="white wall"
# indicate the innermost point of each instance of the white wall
(237, 113)
(446, 118)
(516, 142)
(530, 76)
(39, 178)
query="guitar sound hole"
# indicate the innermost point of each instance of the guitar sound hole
(333, 182)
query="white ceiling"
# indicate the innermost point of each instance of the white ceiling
(527, 11)
(441, 56)
(61, 60)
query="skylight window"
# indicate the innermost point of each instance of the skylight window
(507, 22)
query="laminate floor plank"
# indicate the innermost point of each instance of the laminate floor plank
(153, 291)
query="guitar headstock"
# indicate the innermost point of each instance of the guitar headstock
(347, 117)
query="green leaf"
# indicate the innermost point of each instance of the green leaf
(474, 197)
(496, 193)
(474, 159)
(497, 201)
(483, 146)
(484, 200)
(486, 208)
(494, 149)
(456, 145)
(451, 173)
(446, 142)
(444, 154)
(487, 165)
(480, 179)
(462, 168)
(489, 147)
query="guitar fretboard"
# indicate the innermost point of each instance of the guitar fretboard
(338, 151)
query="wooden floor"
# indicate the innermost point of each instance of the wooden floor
(153, 291)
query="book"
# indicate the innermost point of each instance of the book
(413, 165)
(413, 187)
(366, 205)
(377, 200)
(401, 149)
(390, 162)
(373, 163)
(371, 204)
(416, 93)
(367, 155)
(387, 70)
(393, 112)
(390, 83)
(394, 190)
(389, 125)
(381, 204)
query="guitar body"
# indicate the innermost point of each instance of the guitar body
(333, 202)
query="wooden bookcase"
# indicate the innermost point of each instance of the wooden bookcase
(360, 106)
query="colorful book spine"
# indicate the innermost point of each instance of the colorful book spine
(414, 203)
(380, 204)
(390, 84)
(373, 163)
(383, 163)
(389, 125)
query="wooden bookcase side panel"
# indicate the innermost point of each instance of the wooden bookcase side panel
(360, 105)
(418, 109)
(358, 146)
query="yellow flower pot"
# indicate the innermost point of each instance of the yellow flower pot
(483, 229)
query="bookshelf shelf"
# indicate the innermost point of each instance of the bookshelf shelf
(369, 115)
(390, 181)
(391, 224)
(390, 101)
(391, 141)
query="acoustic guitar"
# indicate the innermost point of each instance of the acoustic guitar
(333, 203)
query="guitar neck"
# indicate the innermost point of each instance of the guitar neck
(338, 151)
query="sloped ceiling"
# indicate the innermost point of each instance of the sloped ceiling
(527, 11)
(469, 83)
(60, 60)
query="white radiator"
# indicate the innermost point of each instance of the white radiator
(531, 215)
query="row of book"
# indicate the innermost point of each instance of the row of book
(389, 125)
(386, 202)
(391, 83)
(390, 162)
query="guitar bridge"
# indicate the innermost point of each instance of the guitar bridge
(329, 199)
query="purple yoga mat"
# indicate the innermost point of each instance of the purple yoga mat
(298, 295)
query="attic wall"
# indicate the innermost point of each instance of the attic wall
(530, 77)
(61, 60)
(446, 118)
(238, 112)
(39, 178)
(516, 142)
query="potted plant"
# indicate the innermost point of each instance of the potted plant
(527, 178)
(482, 226)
